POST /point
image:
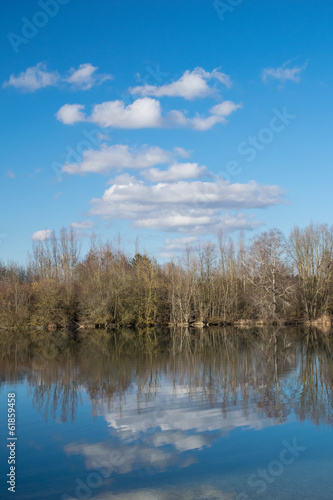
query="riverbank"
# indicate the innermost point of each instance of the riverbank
(324, 322)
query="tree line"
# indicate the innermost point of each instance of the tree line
(272, 278)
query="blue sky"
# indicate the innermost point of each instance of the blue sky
(165, 120)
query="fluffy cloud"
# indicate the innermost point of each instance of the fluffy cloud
(177, 415)
(225, 108)
(43, 234)
(85, 77)
(175, 172)
(165, 430)
(71, 113)
(218, 114)
(118, 156)
(147, 456)
(197, 221)
(144, 113)
(191, 85)
(37, 77)
(184, 206)
(157, 436)
(283, 73)
(33, 78)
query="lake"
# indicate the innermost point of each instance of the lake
(214, 413)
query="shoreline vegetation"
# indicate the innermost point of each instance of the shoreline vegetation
(272, 280)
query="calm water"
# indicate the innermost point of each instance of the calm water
(219, 414)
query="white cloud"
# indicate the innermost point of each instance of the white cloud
(184, 206)
(118, 156)
(193, 492)
(197, 222)
(283, 73)
(175, 172)
(144, 113)
(179, 424)
(71, 113)
(225, 108)
(86, 224)
(177, 245)
(10, 174)
(197, 123)
(85, 77)
(37, 77)
(33, 78)
(164, 431)
(147, 456)
(43, 234)
(158, 435)
(182, 152)
(178, 414)
(191, 85)
(218, 114)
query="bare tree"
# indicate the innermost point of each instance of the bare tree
(311, 250)
(268, 274)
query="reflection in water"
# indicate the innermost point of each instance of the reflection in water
(267, 373)
(165, 396)
(202, 492)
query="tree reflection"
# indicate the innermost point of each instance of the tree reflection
(315, 399)
(271, 372)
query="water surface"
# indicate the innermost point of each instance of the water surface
(192, 414)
